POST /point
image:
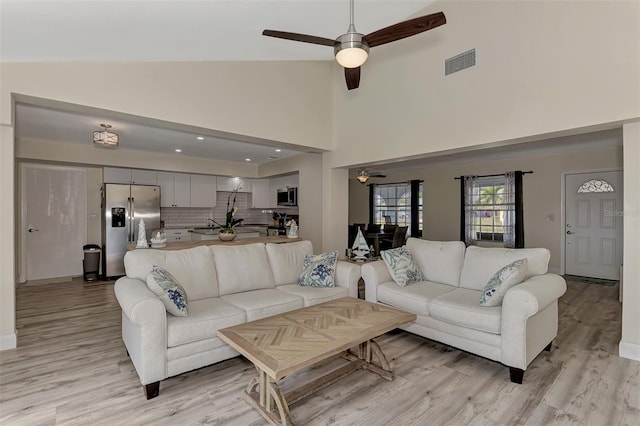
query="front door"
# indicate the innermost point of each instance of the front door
(593, 224)
(54, 221)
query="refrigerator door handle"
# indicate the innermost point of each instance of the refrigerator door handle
(133, 220)
(129, 221)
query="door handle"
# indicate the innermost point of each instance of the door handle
(32, 230)
(570, 232)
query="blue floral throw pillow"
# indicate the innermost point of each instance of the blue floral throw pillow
(507, 277)
(319, 270)
(401, 266)
(168, 290)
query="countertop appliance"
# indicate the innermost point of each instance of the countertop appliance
(288, 196)
(122, 208)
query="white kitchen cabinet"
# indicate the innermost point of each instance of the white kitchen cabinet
(144, 177)
(174, 235)
(229, 184)
(175, 189)
(116, 175)
(129, 176)
(203, 190)
(260, 194)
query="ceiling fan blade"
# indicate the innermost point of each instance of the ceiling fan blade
(377, 174)
(352, 77)
(405, 29)
(300, 37)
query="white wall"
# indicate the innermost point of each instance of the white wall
(7, 247)
(543, 68)
(542, 190)
(630, 343)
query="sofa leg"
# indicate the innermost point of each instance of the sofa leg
(548, 347)
(516, 375)
(152, 390)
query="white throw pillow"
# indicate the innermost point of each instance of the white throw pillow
(168, 290)
(401, 266)
(507, 277)
(319, 270)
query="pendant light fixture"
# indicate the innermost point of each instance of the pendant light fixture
(104, 138)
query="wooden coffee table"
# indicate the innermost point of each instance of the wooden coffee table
(285, 343)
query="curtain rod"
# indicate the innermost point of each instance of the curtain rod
(498, 174)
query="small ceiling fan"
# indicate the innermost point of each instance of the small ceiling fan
(364, 175)
(352, 49)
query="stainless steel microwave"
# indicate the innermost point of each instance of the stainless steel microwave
(288, 196)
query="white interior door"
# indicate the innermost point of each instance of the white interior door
(54, 220)
(593, 224)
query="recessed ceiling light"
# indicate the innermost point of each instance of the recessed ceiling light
(278, 150)
(200, 138)
(178, 150)
(247, 159)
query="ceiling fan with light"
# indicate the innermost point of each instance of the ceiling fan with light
(352, 49)
(364, 175)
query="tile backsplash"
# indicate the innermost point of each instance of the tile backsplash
(176, 217)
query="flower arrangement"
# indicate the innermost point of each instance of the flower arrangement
(230, 221)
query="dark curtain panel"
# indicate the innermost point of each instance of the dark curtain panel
(462, 215)
(372, 200)
(519, 225)
(415, 211)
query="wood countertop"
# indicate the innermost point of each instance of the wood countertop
(237, 242)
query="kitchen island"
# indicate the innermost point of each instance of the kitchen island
(237, 242)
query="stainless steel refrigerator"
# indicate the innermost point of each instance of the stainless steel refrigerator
(122, 208)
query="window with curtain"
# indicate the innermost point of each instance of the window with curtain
(394, 204)
(492, 209)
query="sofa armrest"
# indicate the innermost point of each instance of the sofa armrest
(530, 318)
(348, 275)
(144, 328)
(374, 274)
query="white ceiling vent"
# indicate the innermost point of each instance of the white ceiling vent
(459, 62)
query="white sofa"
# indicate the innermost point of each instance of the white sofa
(225, 286)
(448, 308)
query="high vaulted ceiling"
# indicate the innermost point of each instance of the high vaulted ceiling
(174, 30)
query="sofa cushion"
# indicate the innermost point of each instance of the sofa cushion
(195, 270)
(242, 268)
(314, 295)
(319, 270)
(169, 291)
(264, 303)
(414, 297)
(401, 266)
(138, 263)
(439, 261)
(461, 307)
(206, 317)
(480, 263)
(286, 260)
(507, 277)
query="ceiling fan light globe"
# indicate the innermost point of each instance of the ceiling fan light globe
(362, 178)
(351, 51)
(352, 57)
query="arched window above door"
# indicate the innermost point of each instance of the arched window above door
(595, 185)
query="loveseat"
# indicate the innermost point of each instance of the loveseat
(447, 302)
(225, 286)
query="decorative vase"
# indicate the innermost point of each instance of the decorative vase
(227, 235)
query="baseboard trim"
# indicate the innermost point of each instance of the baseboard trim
(629, 350)
(9, 341)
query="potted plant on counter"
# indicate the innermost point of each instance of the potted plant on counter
(227, 231)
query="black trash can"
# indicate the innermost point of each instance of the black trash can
(91, 262)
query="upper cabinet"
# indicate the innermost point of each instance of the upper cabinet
(129, 176)
(229, 184)
(203, 190)
(175, 189)
(260, 194)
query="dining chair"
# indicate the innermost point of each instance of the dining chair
(373, 228)
(398, 239)
(390, 229)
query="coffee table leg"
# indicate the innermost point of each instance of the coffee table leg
(366, 351)
(263, 393)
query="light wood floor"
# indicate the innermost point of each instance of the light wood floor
(71, 368)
